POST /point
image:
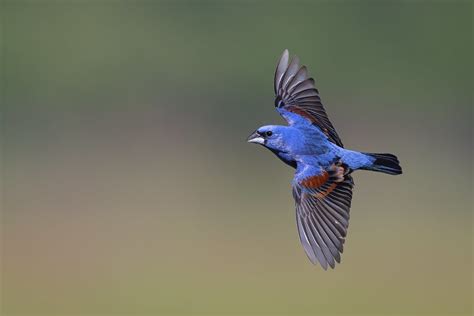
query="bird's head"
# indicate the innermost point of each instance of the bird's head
(271, 136)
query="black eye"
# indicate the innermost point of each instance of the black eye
(268, 133)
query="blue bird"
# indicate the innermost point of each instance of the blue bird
(322, 185)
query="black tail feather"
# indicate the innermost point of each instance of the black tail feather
(386, 163)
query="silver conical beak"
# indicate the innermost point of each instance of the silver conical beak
(256, 138)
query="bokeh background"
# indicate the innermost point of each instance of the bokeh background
(128, 187)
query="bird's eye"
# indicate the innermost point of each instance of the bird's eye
(268, 133)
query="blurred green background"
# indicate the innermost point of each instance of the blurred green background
(129, 189)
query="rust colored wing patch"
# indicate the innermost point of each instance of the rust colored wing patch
(323, 193)
(311, 118)
(323, 184)
(315, 182)
(301, 112)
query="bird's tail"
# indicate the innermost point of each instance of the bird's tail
(386, 163)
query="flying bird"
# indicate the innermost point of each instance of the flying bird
(322, 184)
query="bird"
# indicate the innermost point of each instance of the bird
(322, 186)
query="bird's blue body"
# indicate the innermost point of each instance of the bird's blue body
(322, 185)
(304, 146)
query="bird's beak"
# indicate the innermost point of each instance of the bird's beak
(256, 138)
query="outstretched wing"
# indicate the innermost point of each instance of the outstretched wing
(296, 94)
(322, 213)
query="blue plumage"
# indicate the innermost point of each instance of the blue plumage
(322, 186)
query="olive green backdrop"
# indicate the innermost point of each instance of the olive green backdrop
(128, 187)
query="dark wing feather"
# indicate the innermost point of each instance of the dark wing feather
(322, 214)
(296, 92)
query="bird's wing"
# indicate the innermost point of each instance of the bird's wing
(297, 97)
(322, 213)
